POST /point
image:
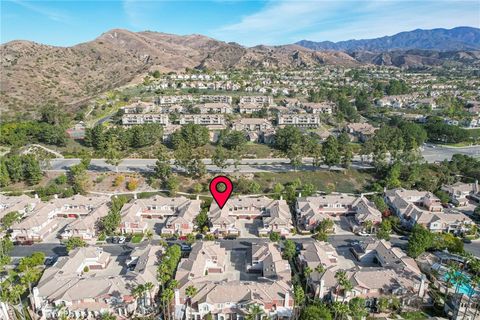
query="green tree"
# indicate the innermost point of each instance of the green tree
(274, 236)
(384, 230)
(316, 312)
(4, 175)
(190, 292)
(220, 157)
(294, 154)
(173, 185)
(112, 153)
(330, 152)
(74, 242)
(340, 310)
(286, 137)
(9, 219)
(163, 169)
(289, 249)
(31, 169)
(420, 239)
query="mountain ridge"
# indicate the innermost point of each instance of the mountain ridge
(34, 74)
(459, 38)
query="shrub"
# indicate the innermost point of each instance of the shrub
(132, 184)
(86, 269)
(118, 181)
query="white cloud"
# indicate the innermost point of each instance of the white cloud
(51, 14)
(288, 21)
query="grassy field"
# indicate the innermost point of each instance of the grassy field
(350, 181)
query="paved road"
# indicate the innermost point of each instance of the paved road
(55, 249)
(245, 166)
(431, 154)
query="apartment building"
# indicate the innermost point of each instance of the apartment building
(274, 214)
(216, 99)
(460, 192)
(143, 118)
(256, 100)
(318, 108)
(138, 107)
(249, 108)
(211, 270)
(424, 208)
(202, 119)
(298, 120)
(89, 282)
(177, 213)
(215, 107)
(171, 100)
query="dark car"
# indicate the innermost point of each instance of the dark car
(465, 240)
(404, 238)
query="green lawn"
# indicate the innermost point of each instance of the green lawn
(137, 238)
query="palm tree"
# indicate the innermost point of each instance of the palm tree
(255, 312)
(149, 235)
(108, 316)
(307, 271)
(473, 284)
(320, 269)
(299, 299)
(341, 277)
(190, 292)
(341, 310)
(167, 296)
(138, 293)
(148, 287)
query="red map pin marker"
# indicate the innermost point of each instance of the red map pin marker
(221, 197)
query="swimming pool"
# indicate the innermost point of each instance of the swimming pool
(464, 288)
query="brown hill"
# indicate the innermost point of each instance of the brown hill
(33, 74)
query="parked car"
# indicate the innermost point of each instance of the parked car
(465, 240)
(121, 239)
(185, 247)
(404, 238)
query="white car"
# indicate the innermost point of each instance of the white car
(121, 239)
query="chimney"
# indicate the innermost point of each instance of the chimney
(322, 289)
(177, 297)
(421, 291)
(287, 299)
(35, 196)
(135, 196)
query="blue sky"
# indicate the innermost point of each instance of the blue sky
(66, 22)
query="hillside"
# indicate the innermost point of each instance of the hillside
(34, 74)
(460, 38)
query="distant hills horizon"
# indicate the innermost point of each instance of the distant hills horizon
(458, 38)
(34, 74)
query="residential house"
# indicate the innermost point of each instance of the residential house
(319, 108)
(256, 129)
(89, 282)
(178, 213)
(362, 131)
(424, 208)
(222, 295)
(460, 192)
(312, 210)
(274, 214)
(22, 204)
(36, 226)
(86, 228)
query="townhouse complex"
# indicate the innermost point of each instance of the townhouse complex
(424, 208)
(225, 291)
(90, 282)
